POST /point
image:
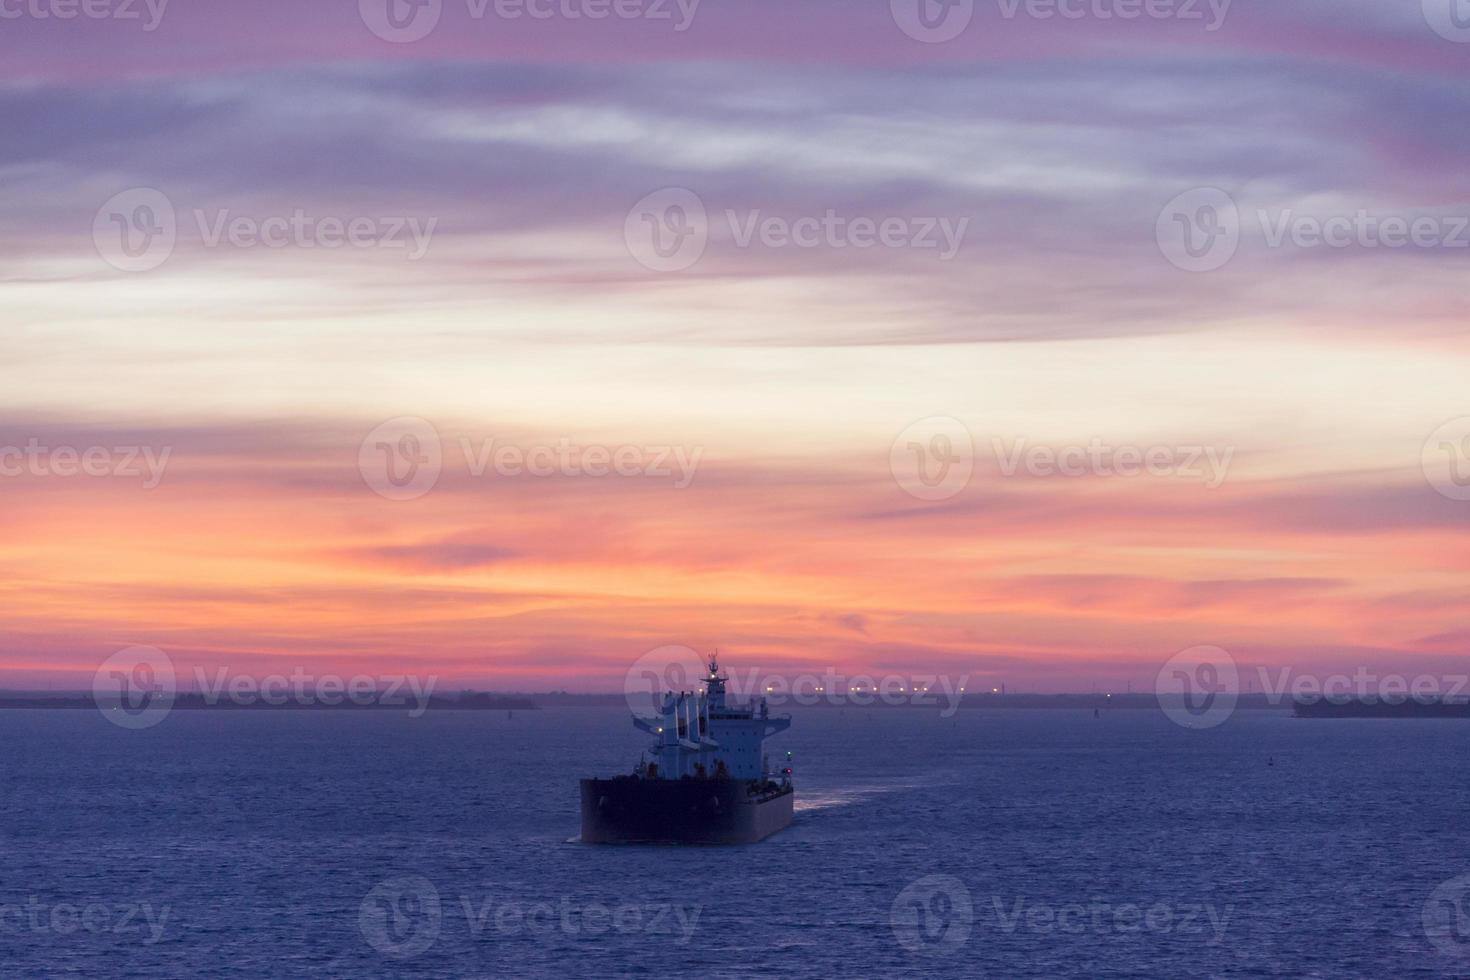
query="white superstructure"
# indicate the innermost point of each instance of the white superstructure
(699, 734)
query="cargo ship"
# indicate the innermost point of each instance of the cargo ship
(1382, 706)
(705, 780)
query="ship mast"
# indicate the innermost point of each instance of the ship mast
(714, 683)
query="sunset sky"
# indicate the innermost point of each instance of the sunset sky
(522, 150)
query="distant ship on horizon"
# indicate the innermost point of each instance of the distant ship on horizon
(1380, 706)
(705, 780)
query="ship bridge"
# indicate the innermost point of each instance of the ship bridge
(701, 733)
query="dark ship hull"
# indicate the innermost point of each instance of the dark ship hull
(628, 809)
(1379, 708)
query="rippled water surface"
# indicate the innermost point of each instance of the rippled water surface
(994, 843)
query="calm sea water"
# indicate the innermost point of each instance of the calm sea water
(994, 843)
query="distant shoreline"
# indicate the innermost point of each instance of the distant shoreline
(1380, 707)
(488, 701)
(197, 702)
